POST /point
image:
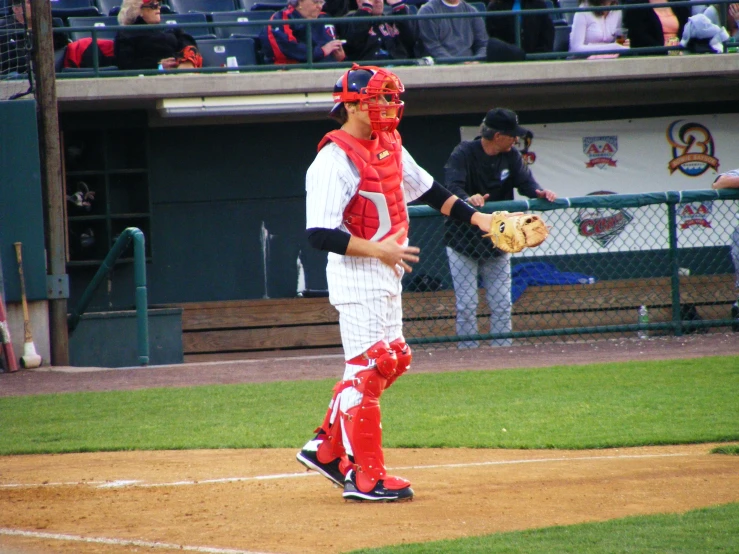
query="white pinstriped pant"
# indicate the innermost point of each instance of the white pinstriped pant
(496, 280)
(367, 295)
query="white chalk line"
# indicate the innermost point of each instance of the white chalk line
(125, 542)
(140, 484)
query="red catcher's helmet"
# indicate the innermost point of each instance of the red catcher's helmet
(367, 85)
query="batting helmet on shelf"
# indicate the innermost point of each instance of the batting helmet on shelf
(377, 91)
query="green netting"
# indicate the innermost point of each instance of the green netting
(606, 257)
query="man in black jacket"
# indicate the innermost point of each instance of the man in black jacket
(537, 31)
(487, 168)
(379, 40)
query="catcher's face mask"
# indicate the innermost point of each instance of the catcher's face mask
(377, 91)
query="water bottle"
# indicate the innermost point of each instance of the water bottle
(643, 320)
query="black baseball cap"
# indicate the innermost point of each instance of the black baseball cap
(504, 121)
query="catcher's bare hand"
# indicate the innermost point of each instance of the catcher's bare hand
(392, 253)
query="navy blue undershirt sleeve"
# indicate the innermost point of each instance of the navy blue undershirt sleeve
(328, 240)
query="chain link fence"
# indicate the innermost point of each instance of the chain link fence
(607, 258)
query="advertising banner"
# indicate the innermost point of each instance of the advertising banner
(635, 156)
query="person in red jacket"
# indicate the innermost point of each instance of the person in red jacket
(285, 41)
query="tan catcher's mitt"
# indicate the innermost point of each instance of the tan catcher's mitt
(512, 232)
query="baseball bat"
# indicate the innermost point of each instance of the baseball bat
(30, 358)
(11, 364)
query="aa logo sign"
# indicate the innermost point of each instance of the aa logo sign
(600, 151)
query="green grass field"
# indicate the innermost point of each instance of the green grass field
(594, 406)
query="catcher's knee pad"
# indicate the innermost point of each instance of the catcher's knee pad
(404, 354)
(381, 356)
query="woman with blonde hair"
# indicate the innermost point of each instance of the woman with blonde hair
(597, 30)
(142, 48)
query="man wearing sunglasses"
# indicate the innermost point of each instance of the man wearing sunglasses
(142, 48)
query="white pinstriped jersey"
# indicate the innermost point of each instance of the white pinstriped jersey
(365, 291)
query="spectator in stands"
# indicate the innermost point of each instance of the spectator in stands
(730, 180)
(486, 168)
(655, 26)
(339, 8)
(142, 48)
(537, 31)
(14, 45)
(285, 41)
(454, 37)
(597, 30)
(379, 40)
(732, 19)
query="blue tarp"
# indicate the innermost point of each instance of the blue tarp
(539, 274)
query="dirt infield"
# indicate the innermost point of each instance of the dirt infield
(251, 501)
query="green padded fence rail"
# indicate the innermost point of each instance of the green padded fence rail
(605, 258)
(139, 259)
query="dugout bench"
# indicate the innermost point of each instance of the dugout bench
(251, 328)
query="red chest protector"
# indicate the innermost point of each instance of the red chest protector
(378, 209)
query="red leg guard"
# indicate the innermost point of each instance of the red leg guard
(404, 354)
(365, 432)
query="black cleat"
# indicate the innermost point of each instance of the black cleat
(308, 456)
(378, 494)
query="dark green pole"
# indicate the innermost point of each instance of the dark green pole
(674, 265)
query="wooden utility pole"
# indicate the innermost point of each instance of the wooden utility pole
(51, 178)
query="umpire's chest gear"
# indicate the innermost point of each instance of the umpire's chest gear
(378, 209)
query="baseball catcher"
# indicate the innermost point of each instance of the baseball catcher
(512, 232)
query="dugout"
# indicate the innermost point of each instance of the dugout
(220, 197)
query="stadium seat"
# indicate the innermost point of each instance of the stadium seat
(65, 9)
(101, 21)
(202, 6)
(107, 6)
(197, 32)
(215, 52)
(259, 6)
(562, 38)
(568, 4)
(557, 18)
(239, 31)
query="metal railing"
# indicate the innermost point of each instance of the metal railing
(141, 298)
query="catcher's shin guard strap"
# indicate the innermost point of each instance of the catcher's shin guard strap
(381, 356)
(331, 446)
(404, 354)
(364, 431)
